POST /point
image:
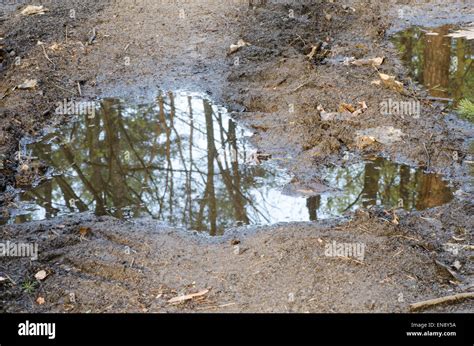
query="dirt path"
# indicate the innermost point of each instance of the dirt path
(141, 47)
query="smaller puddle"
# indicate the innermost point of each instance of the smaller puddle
(441, 63)
(184, 161)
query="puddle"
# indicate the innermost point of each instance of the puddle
(184, 161)
(441, 63)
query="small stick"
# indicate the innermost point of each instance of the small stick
(437, 301)
(47, 57)
(79, 89)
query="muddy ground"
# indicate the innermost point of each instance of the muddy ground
(137, 266)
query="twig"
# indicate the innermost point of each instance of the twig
(79, 89)
(9, 278)
(46, 55)
(69, 91)
(437, 301)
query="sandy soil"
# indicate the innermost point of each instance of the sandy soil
(119, 266)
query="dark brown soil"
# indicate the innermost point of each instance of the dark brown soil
(280, 268)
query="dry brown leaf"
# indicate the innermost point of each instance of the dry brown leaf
(314, 50)
(364, 141)
(84, 231)
(41, 275)
(373, 61)
(345, 112)
(55, 47)
(40, 300)
(32, 9)
(343, 107)
(390, 82)
(327, 16)
(187, 297)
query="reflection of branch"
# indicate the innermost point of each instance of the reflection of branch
(356, 200)
(70, 157)
(68, 192)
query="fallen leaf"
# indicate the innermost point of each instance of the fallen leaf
(345, 112)
(327, 16)
(41, 275)
(28, 84)
(2, 279)
(55, 47)
(314, 50)
(390, 82)
(84, 231)
(386, 135)
(346, 107)
(40, 300)
(396, 219)
(187, 297)
(235, 47)
(373, 62)
(364, 141)
(361, 110)
(32, 9)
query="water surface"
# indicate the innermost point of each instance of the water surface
(184, 161)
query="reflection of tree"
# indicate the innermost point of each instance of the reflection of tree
(442, 64)
(371, 182)
(384, 183)
(180, 160)
(313, 203)
(178, 164)
(431, 191)
(437, 62)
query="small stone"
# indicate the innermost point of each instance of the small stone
(41, 275)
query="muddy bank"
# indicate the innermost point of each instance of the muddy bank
(105, 265)
(139, 267)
